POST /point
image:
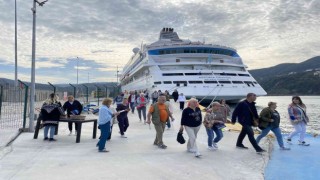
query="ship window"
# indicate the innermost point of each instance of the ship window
(180, 82)
(172, 74)
(237, 82)
(210, 82)
(177, 60)
(199, 50)
(167, 51)
(197, 74)
(167, 82)
(191, 74)
(228, 74)
(244, 75)
(157, 82)
(225, 82)
(193, 51)
(161, 52)
(173, 51)
(186, 50)
(195, 82)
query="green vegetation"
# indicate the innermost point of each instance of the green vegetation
(289, 79)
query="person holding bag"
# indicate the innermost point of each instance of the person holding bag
(270, 120)
(191, 121)
(246, 112)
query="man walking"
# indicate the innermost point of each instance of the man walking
(246, 111)
(160, 115)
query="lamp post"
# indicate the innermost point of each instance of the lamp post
(33, 65)
(77, 69)
(15, 45)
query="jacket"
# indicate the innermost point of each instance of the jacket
(265, 118)
(244, 114)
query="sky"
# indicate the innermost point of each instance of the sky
(97, 36)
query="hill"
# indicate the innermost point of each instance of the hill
(291, 78)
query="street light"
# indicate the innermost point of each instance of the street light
(77, 69)
(33, 64)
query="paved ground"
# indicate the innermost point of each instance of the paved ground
(131, 158)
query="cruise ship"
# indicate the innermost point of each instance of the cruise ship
(196, 69)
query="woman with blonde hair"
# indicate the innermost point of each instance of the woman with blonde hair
(191, 121)
(105, 116)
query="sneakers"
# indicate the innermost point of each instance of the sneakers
(123, 136)
(284, 148)
(103, 150)
(51, 139)
(46, 138)
(242, 146)
(289, 141)
(162, 146)
(215, 145)
(191, 151)
(197, 154)
(303, 143)
(211, 148)
(260, 151)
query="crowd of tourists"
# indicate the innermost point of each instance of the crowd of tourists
(160, 111)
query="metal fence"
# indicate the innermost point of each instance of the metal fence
(15, 109)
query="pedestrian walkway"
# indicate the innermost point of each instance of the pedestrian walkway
(134, 157)
(300, 163)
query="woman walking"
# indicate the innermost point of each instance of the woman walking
(141, 106)
(50, 113)
(123, 121)
(105, 116)
(270, 120)
(191, 121)
(214, 122)
(299, 119)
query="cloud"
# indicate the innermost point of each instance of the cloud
(103, 33)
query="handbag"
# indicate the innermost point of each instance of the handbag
(255, 121)
(180, 137)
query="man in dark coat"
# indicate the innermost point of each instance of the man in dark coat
(245, 112)
(73, 107)
(175, 95)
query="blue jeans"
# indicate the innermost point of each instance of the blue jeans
(52, 131)
(132, 106)
(168, 123)
(143, 110)
(219, 135)
(210, 136)
(105, 133)
(276, 132)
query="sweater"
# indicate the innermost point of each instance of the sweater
(191, 118)
(74, 108)
(50, 113)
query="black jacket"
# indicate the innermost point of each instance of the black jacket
(76, 105)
